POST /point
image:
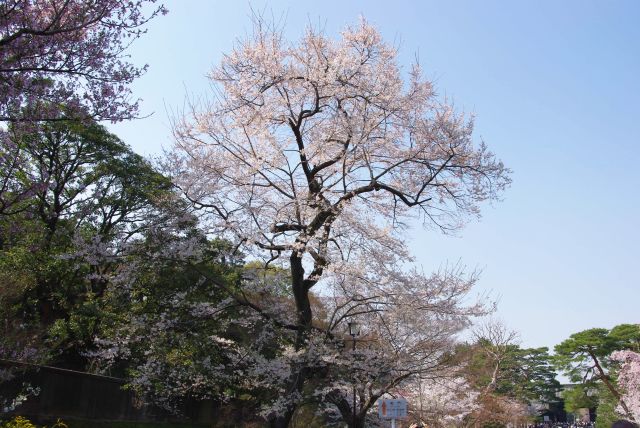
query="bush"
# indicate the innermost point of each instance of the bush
(22, 422)
(18, 422)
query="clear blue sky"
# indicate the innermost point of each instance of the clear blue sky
(555, 86)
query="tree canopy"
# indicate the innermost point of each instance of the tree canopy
(314, 155)
(586, 357)
(88, 195)
(68, 58)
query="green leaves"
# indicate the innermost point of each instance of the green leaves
(83, 191)
(579, 397)
(525, 374)
(584, 354)
(584, 357)
(626, 336)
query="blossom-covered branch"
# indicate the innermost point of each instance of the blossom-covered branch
(67, 57)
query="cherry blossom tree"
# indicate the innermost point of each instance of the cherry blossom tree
(69, 56)
(409, 324)
(314, 156)
(442, 402)
(629, 381)
(407, 336)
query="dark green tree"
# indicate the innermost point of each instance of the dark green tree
(579, 397)
(530, 375)
(584, 356)
(525, 374)
(502, 367)
(81, 191)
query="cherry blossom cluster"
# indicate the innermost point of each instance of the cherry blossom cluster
(629, 380)
(68, 57)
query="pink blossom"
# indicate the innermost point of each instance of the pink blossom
(629, 379)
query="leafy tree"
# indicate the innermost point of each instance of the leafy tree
(94, 194)
(532, 375)
(512, 382)
(313, 157)
(607, 404)
(497, 344)
(626, 336)
(191, 326)
(585, 356)
(162, 333)
(579, 397)
(500, 366)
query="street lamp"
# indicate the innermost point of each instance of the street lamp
(354, 330)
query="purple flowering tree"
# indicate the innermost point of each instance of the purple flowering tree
(62, 59)
(69, 55)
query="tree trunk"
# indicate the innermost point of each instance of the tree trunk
(304, 317)
(301, 297)
(346, 410)
(296, 384)
(282, 421)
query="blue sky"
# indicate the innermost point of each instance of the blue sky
(555, 87)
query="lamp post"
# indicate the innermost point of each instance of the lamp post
(354, 330)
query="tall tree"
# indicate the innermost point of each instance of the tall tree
(407, 337)
(95, 195)
(314, 155)
(172, 329)
(500, 366)
(497, 344)
(585, 356)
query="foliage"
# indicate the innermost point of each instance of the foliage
(606, 413)
(579, 397)
(92, 423)
(62, 60)
(512, 384)
(233, 350)
(498, 365)
(310, 162)
(95, 196)
(529, 376)
(163, 333)
(587, 356)
(18, 422)
(22, 422)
